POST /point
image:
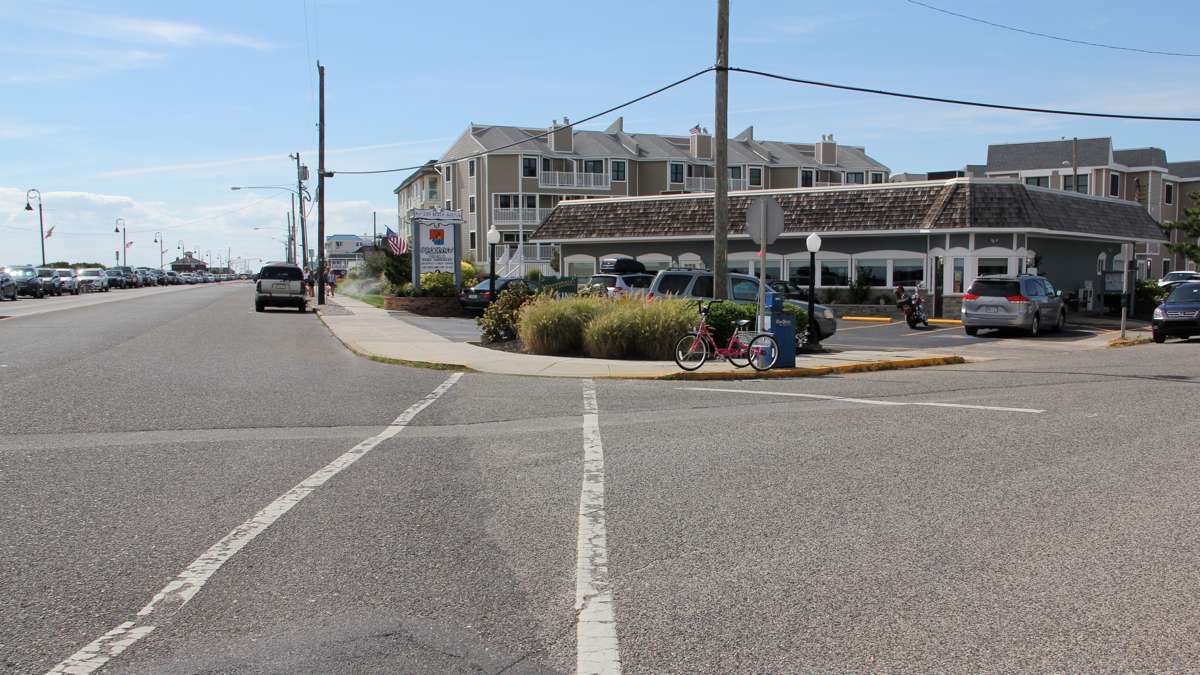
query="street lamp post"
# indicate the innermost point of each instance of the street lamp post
(121, 229)
(813, 244)
(41, 222)
(158, 239)
(493, 238)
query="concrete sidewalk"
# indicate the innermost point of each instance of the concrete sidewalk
(377, 333)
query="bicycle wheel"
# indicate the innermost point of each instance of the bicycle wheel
(690, 352)
(764, 352)
(741, 360)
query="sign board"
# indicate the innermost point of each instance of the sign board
(764, 220)
(436, 243)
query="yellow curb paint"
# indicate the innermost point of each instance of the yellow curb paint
(863, 367)
(880, 319)
(947, 322)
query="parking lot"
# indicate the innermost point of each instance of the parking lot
(897, 335)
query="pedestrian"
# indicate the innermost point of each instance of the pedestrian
(308, 282)
(331, 280)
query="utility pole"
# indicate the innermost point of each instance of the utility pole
(292, 230)
(301, 175)
(374, 230)
(321, 187)
(289, 254)
(1075, 164)
(721, 158)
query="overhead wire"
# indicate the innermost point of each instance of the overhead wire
(1048, 36)
(955, 101)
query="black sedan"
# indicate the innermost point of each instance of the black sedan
(1178, 315)
(478, 297)
(8, 287)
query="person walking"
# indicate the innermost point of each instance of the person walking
(308, 282)
(331, 280)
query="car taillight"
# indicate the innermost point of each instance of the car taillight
(970, 296)
(650, 296)
(1017, 298)
(487, 295)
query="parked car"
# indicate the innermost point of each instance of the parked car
(70, 283)
(742, 289)
(8, 287)
(280, 284)
(189, 278)
(51, 282)
(1025, 302)
(789, 290)
(1178, 315)
(1173, 278)
(116, 278)
(617, 285)
(478, 297)
(172, 278)
(28, 281)
(92, 279)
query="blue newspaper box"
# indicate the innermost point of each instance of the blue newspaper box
(783, 327)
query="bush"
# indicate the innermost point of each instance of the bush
(437, 285)
(634, 328)
(499, 320)
(533, 274)
(469, 272)
(397, 269)
(553, 326)
(860, 290)
(1147, 295)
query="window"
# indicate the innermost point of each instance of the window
(1114, 185)
(908, 272)
(799, 272)
(618, 169)
(835, 273)
(703, 287)
(447, 204)
(529, 167)
(471, 236)
(993, 266)
(471, 168)
(959, 271)
(580, 270)
(593, 166)
(673, 284)
(1166, 266)
(676, 173)
(531, 201)
(873, 271)
(448, 173)
(1169, 193)
(755, 176)
(735, 172)
(854, 178)
(807, 177)
(471, 207)
(1083, 183)
(744, 289)
(1038, 181)
(545, 164)
(876, 177)
(506, 201)
(1049, 288)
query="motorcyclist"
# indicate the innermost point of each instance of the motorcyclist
(902, 297)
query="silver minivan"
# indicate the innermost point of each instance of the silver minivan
(1025, 302)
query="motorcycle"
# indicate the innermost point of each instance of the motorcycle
(913, 307)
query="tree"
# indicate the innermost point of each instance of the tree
(397, 269)
(1189, 227)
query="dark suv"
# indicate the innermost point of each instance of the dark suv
(1178, 315)
(28, 281)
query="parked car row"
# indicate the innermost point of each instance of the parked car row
(39, 282)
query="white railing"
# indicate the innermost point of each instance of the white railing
(737, 184)
(702, 184)
(520, 215)
(599, 181)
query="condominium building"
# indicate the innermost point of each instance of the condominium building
(512, 177)
(1092, 166)
(421, 190)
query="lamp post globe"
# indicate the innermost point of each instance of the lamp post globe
(493, 238)
(813, 244)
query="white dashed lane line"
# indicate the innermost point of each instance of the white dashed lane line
(869, 401)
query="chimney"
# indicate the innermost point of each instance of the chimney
(826, 150)
(561, 139)
(700, 143)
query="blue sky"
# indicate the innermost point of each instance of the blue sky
(150, 111)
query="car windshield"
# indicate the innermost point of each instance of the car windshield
(281, 273)
(113, 273)
(46, 273)
(21, 273)
(486, 284)
(90, 273)
(1187, 293)
(994, 288)
(637, 280)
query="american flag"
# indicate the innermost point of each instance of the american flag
(128, 244)
(50, 232)
(696, 129)
(399, 246)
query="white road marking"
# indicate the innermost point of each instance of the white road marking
(184, 587)
(595, 620)
(870, 401)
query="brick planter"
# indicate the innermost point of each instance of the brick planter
(424, 306)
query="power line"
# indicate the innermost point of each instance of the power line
(1049, 36)
(546, 133)
(976, 104)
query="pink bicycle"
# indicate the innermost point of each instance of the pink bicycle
(759, 350)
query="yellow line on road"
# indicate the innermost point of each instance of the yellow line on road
(880, 319)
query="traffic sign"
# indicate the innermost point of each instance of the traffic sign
(764, 220)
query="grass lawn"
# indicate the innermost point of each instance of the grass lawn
(373, 300)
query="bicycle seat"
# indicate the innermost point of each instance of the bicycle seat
(742, 323)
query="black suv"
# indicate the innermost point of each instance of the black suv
(28, 281)
(1178, 315)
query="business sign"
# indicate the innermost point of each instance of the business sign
(436, 238)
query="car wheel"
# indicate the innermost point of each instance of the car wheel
(1159, 338)
(40, 294)
(301, 307)
(1035, 328)
(971, 330)
(258, 307)
(1061, 323)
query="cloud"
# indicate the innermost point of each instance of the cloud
(149, 31)
(52, 64)
(238, 161)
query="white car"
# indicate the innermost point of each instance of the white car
(92, 279)
(1178, 276)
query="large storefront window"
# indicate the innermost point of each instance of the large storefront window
(798, 272)
(873, 271)
(992, 266)
(835, 273)
(960, 271)
(908, 272)
(581, 270)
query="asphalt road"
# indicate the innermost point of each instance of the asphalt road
(1017, 515)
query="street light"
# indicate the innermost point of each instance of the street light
(158, 240)
(813, 244)
(121, 229)
(493, 238)
(29, 195)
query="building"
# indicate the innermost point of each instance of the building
(1092, 166)
(188, 263)
(519, 178)
(421, 190)
(941, 233)
(345, 252)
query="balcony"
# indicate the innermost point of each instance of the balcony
(573, 179)
(701, 184)
(519, 215)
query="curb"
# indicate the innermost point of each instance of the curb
(863, 367)
(879, 319)
(946, 322)
(1129, 342)
(427, 365)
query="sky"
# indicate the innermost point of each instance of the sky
(151, 111)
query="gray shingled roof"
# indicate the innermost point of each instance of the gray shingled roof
(1185, 169)
(1141, 157)
(951, 204)
(427, 167)
(1047, 154)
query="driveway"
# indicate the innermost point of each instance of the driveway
(897, 335)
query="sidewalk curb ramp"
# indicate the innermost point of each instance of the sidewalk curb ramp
(863, 367)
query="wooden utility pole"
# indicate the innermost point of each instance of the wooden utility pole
(321, 187)
(300, 177)
(721, 158)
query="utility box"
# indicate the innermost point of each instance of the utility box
(783, 326)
